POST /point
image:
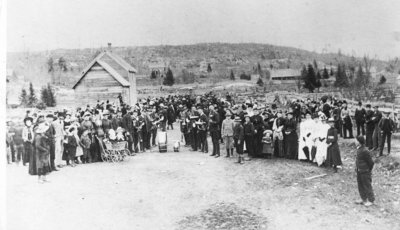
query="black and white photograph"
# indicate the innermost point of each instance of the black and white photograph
(200, 114)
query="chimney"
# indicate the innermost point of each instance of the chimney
(109, 46)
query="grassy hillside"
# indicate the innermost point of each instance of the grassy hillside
(223, 57)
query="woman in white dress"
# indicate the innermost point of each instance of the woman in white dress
(322, 146)
(305, 138)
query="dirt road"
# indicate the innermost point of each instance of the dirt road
(190, 190)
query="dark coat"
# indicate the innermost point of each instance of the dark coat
(364, 162)
(376, 117)
(127, 123)
(258, 123)
(214, 121)
(370, 125)
(42, 153)
(248, 129)
(359, 116)
(386, 125)
(238, 132)
(333, 155)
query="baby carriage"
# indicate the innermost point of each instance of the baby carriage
(114, 151)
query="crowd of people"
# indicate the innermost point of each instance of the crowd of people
(305, 130)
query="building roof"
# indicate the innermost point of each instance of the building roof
(114, 65)
(285, 73)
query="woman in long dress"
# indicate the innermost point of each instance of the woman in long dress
(42, 153)
(291, 138)
(333, 157)
(277, 127)
(322, 146)
(305, 142)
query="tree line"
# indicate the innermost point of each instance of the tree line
(47, 97)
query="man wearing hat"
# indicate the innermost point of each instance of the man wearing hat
(386, 125)
(337, 115)
(248, 129)
(28, 138)
(194, 138)
(359, 116)
(163, 117)
(376, 136)
(214, 121)
(227, 133)
(127, 124)
(184, 119)
(370, 126)
(238, 138)
(153, 124)
(105, 121)
(364, 166)
(202, 131)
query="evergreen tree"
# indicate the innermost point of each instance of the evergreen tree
(359, 80)
(50, 64)
(232, 77)
(341, 77)
(260, 82)
(318, 83)
(44, 96)
(318, 76)
(310, 80)
(301, 81)
(325, 74)
(51, 96)
(209, 70)
(259, 70)
(382, 80)
(32, 100)
(169, 78)
(23, 98)
(315, 65)
(62, 64)
(331, 73)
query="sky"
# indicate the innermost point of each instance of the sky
(355, 27)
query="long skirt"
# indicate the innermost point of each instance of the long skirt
(321, 153)
(32, 163)
(70, 153)
(291, 145)
(333, 156)
(28, 152)
(43, 165)
(279, 148)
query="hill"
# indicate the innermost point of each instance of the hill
(192, 59)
